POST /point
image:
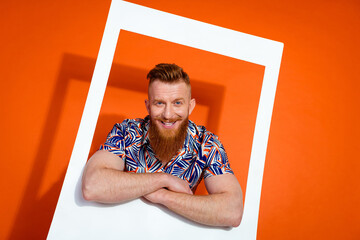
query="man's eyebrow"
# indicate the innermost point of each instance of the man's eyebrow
(162, 100)
(158, 100)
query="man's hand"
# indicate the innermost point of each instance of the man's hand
(157, 196)
(176, 184)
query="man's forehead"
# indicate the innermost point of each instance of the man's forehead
(161, 83)
(160, 89)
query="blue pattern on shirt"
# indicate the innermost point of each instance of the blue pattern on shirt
(202, 154)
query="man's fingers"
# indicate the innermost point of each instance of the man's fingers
(176, 184)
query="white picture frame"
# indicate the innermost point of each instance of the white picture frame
(75, 218)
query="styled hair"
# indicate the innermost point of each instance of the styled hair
(168, 73)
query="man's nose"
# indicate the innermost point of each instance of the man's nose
(168, 111)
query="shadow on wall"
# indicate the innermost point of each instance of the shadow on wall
(35, 214)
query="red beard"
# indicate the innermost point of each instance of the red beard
(167, 143)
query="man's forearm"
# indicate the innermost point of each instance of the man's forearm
(114, 186)
(104, 180)
(221, 209)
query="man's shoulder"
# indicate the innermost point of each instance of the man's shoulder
(135, 124)
(203, 137)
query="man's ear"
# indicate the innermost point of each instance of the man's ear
(147, 105)
(192, 105)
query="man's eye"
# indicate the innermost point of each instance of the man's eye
(178, 103)
(158, 103)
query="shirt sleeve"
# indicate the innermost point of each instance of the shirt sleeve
(115, 141)
(216, 158)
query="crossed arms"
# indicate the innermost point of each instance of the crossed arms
(105, 181)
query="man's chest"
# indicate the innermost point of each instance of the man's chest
(185, 165)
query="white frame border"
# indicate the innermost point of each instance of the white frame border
(188, 32)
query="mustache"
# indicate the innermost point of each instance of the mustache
(168, 120)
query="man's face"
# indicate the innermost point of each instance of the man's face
(169, 105)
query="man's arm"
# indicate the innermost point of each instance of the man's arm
(222, 207)
(105, 181)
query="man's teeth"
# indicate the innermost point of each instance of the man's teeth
(168, 123)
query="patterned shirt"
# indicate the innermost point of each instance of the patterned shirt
(202, 154)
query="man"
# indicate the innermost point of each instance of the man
(164, 156)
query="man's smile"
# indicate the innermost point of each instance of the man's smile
(168, 124)
(171, 123)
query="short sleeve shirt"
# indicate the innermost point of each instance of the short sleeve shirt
(201, 156)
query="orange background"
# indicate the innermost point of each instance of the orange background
(311, 184)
